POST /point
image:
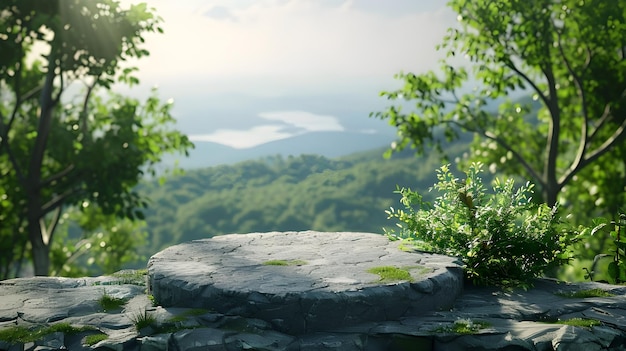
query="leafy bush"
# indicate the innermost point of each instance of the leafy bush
(503, 237)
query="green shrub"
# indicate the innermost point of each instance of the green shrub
(503, 237)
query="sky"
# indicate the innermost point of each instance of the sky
(244, 72)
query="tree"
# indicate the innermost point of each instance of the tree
(568, 55)
(62, 146)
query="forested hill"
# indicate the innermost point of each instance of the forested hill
(295, 193)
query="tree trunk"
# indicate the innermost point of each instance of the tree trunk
(39, 249)
(550, 194)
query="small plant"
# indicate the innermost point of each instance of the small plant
(503, 238)
(109, 303)
(284, 263)
(616, 270)
(93, 339)
(144, 320)
(463, 326)
(152, 300)
(391, 274)
(588, 293)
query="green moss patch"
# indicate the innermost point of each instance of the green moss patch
(135, 277)
(20, 334)
(189, 313)
(91, 340)
(579, 322)
(583, 294)
(463, 326)
(391, 274)
(284, 263)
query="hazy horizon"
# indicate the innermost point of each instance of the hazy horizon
(244, 73)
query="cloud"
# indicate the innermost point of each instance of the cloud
(307, 121)
(220, 13)
(242, 139)
(293, 123)
(273, 46)
(368, 131)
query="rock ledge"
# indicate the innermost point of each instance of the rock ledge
(303, 282)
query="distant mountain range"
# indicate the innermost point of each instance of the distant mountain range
(327, 144)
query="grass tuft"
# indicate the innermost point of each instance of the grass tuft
(144, 320)
(110, 303)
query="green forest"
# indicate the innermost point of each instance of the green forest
(306, 192)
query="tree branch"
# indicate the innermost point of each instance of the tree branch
(5, 128)
(44, 126)
(48, 231)
(58, 176)
(617, 136)
(58, 200)
(79, 250)
(83, 114)
(4, 143)
(506, 146)
(582, 145)
(605, 116)
(525, 77)
(19, 99)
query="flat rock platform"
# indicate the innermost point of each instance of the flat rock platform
(302, 282)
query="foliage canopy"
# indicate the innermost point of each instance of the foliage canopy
(65, 140)
(568, 55)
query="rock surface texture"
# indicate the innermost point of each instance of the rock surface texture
(303, 282)
(197, 312)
